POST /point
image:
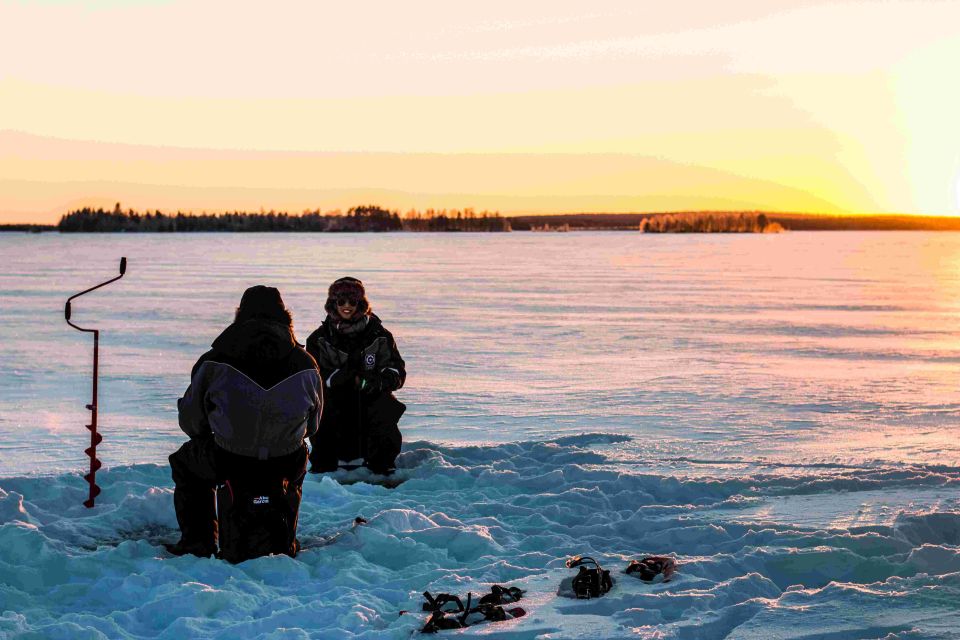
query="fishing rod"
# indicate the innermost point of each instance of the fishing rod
(95, 438)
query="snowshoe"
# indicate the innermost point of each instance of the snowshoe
(589, 582)
(464, 616)
(651, 566)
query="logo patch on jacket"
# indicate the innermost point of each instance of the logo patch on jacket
(261, 500)
(370, 360)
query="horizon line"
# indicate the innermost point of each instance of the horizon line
(264, 211)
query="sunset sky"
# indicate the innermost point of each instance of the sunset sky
(521, 107)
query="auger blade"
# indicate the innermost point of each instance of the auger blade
(94, 492)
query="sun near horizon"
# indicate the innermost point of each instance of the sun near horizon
(783, 106)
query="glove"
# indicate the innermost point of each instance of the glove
(340, 378)
(391, 380)
(370, 383)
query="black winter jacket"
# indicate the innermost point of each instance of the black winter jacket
(256, 390)
(370, 350)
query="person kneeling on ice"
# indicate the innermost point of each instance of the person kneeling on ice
(361, 367)
(253, 399)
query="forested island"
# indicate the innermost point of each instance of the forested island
(375, 218)
(709, 223)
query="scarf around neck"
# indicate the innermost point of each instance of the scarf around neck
(349, 328)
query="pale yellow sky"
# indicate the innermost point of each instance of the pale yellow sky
(542, 107)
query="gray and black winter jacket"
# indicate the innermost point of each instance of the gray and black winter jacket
(359, 348)
(256, 391)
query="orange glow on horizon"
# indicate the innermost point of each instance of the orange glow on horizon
(531, 108)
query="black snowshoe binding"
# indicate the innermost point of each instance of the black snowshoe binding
(449, 612)
(440, 621)
(589, 583)
(442, 602)
(502, 595)
(651, 566)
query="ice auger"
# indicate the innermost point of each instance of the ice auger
(95, 438)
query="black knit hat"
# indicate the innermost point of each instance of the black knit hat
(347, 288)
(264, 303)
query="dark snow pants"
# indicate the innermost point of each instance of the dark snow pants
(357, 427)
(199, 466)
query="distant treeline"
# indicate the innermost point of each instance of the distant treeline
(35, 228)
(788, 221)
(709, 222)
(363, 218)
(808, 222)
(579, 221)
(683, 222)
(455, 220)
(375, 218)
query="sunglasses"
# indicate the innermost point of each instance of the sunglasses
(344, 301)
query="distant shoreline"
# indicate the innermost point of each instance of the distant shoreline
(788, 221)
(558, 222)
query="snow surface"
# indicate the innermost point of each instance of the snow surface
(468, 517)
(776, 413)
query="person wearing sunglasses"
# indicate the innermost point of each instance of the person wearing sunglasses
(361, 367)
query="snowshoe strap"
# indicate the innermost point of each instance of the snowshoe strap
(466, 610)
(606, 583)
(577, 561)
(439, 621)
(493, 613)
(489, 613)
(437, 603)
(501, 595)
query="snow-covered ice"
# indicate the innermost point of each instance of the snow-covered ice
(467, 517)
(778, 413)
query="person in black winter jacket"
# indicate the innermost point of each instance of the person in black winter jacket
(252, 401)
(361, 367)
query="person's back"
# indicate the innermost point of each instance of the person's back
(253, 399)
(254, 375)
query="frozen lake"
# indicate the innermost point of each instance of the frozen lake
(778, 411)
